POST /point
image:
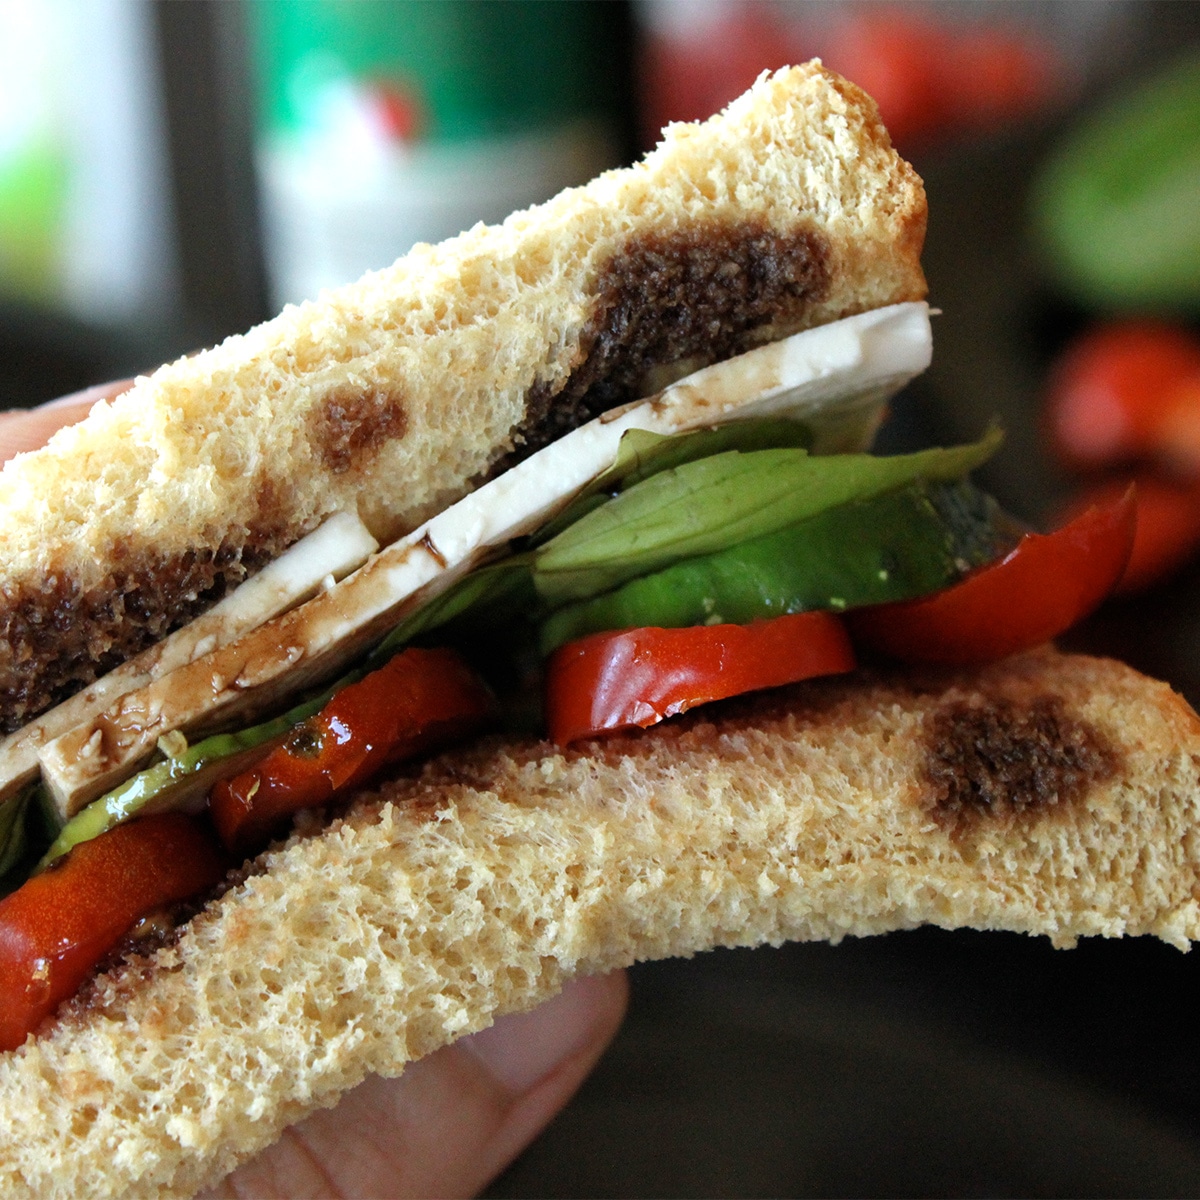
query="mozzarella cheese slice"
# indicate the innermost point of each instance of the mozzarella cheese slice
(837, 378)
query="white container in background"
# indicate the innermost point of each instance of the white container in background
(386, 124)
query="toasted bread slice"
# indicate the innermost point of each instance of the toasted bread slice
(1049, 794)
(390, 396)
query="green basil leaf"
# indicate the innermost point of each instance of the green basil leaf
(900, 544)
(712, 503)
(642, 454)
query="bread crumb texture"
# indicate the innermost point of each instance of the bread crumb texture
(391, 395)
(479, 886)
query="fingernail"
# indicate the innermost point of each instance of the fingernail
(522, 1048)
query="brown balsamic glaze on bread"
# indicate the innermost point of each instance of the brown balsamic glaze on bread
(350, 426)
(990, 760)
(696, 295)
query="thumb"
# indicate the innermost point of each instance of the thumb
(453, 1120)
(28, 429)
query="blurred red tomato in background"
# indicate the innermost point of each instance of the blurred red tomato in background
(1111, 391)
(929, 73)
(1168, 524)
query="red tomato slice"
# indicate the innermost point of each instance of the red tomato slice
(1037, 591)
(57, 926)
(420, 700)
(1111, 390)
(637, 677)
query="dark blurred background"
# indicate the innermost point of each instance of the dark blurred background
(172, 173)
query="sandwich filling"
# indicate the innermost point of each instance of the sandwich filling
(727, 536)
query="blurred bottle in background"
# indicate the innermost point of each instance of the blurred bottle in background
(382, 124)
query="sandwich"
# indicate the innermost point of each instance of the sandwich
(346, 655)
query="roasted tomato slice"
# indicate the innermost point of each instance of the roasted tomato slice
(636, 677)
(418, 701)
(57, 926)
(1037, 591)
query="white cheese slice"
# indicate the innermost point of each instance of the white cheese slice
(836, 378)
(336, 548)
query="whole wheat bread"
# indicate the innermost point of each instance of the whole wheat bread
(1049, 794)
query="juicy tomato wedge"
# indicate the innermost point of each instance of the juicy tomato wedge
(1037, 591)
(637, 677)
(1111, 391)
(57, 926)
(418, 701)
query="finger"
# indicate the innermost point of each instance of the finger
(454, 1120)
(27, 429)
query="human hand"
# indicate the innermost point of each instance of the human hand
(453, 1120)
(27, 429)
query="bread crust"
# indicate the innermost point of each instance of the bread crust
(390, 396)
(835, 808)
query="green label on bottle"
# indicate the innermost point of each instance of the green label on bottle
(441, 70)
